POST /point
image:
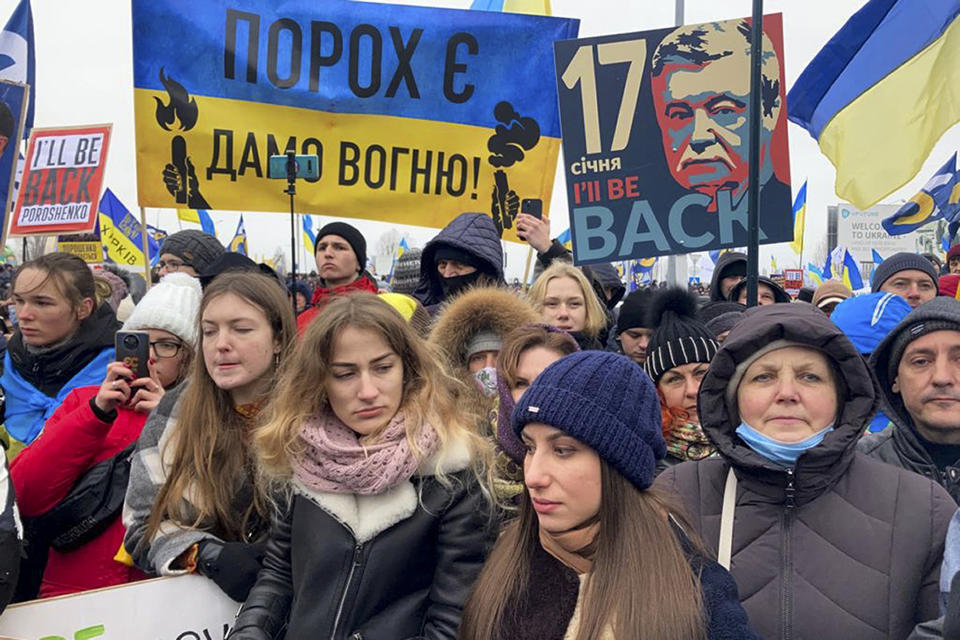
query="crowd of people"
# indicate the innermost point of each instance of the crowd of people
(448, 457)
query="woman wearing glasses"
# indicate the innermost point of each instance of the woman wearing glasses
(95, 424)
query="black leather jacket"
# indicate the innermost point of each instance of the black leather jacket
(407, 580)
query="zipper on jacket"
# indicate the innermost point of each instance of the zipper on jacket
(357, 558)
(786, 566)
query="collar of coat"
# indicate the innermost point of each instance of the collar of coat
(366, 516)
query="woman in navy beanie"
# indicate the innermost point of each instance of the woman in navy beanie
(595, 553)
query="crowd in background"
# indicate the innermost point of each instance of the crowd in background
(450, 456)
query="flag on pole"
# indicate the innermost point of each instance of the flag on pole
(880, 94)
(932, 202)
(815, 275)
(200, 217)
(799, 219)
(121, 235)
(239, 242)
(564, 239)
(773, 264)
(17, 59)
(309, 237)
(851, 272)
(403, 247)
(877, 258)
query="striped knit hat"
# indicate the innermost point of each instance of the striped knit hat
(678, 338)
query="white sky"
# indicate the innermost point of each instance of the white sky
(85, 76)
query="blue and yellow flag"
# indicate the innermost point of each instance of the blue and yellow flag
(239, 242)
(814, 272)
(200, 217)
(309, 236)
(799, 219)
(121, 233)
(533, 7)
(565, 240)
(934, 201)
(880, 94)
(416, 114)
(877, 258)
(403, 247)
(851, 272)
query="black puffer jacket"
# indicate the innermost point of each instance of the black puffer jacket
(381, 567)
(899, 445)
(840, 546)
(473, 233)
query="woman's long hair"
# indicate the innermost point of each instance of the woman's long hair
(211, 459)
(596, 319)
(641, 585)
(429, 392)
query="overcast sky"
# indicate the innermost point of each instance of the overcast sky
(84, 76)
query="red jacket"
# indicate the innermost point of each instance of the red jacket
(323, 295)
(72, 441)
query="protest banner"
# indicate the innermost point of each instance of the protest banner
(90, 251)
(14, 98)
(793, 281)
(122, 234)
(655, 140)
(416, 114)
(62, 178)
(186, 607)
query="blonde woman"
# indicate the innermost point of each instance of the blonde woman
(192, 503)
(385, 525)
(564, 298)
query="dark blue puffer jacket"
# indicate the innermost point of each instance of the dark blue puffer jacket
(473, 233)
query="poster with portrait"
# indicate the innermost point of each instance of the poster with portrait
(655, 131)
(14, 99)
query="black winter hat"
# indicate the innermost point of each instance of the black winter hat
(716, 308)
(353, 237)
(679, 338)
(901, 262)
(633, 311)
(779, 295)
(196, 248)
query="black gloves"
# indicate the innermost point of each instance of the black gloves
(233, 566)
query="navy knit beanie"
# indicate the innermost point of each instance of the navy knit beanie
(607, 402)
(901, 262)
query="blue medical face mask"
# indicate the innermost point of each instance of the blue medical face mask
(782, 453)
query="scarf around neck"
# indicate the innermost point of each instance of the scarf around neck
(335, 461)
(574, 548)
(363, 283)
(688, 441)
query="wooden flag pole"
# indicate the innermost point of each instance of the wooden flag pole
(145, 237)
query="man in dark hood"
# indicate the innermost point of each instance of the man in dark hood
(918, 369)
(731, 268)
(465, 253)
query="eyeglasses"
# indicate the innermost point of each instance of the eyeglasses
(171, 266)
(166, 348)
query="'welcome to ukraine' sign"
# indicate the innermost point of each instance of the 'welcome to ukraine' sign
(417, 114)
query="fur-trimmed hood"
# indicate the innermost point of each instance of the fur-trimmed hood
(478, 309)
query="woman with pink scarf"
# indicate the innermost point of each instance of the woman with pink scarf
(387, 519)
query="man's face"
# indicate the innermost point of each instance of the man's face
(703, 113)
(954, 264)
(912, 285)
(634, 343)
(727, 284)
(928, 381)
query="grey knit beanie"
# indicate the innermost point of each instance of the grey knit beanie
(196, 248)
(901, 262)
(406, 273)
(940, 314)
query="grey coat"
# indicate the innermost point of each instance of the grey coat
(839, 546)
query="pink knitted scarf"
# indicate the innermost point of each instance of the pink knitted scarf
(336, 462)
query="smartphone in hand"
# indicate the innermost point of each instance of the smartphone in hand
(133, 349)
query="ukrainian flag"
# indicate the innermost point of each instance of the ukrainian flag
(815, 274)
(880, 94)
(309, 237)
(239, 242)
(403, 247)
(200, 217)
(931, 203)
(532, 7)
(799, 219)
(877, 258)
(564, 239)
(851, 272)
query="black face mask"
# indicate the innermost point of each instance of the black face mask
(456, 284)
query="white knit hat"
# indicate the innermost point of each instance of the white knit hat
(171, 305)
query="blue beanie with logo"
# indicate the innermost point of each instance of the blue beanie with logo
(869, 318)
(604, 400)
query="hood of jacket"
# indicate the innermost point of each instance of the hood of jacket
(819, 468)
(724, 262)
(603, 275)
(49, 369)
(478, 309)
(473, 233)
(937, 310)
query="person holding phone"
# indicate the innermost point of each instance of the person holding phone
(96, 423)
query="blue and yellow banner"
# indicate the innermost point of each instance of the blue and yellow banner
(239, 242)
(121, 233)
(881, 92)
(937, 199)
(416, 114)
